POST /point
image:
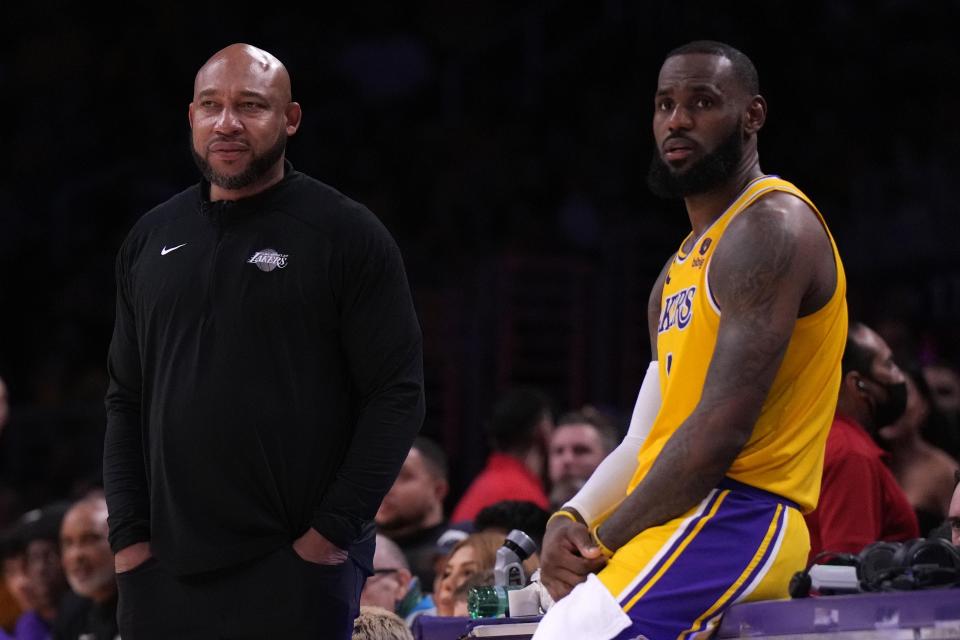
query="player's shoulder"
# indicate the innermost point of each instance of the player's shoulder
(778, 212)
(777, 229)
(757, 249)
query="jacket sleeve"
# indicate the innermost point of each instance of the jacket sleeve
(382, 343)
(124, 476)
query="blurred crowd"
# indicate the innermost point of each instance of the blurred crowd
(433, 547)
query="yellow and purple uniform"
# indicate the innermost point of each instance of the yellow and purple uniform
(747, 537)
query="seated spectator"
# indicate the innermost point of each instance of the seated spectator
(88, 565)
(377, 623)
(13, 564)
(943, 428)
(9, 609)
(950, 528)
(475, 554)
(923, 471)
(445, 545)
(32, 571)
(518, 431)
(392, 586)
(579, 442)
(411, 513)
(507, 515)
(860, 500)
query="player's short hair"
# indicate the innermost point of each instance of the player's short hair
(433, 455)
(743, 68)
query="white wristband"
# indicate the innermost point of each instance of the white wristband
(607, 487)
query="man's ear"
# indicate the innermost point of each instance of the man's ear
(755, 116)
(440, 489)
(403, 578)
(294, 116)
(852, 383)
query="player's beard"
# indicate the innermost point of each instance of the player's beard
(710, 171)
(259, 166)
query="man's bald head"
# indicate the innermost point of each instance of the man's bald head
(245, 58)
(241, 116)
(391, 579)
(389, 554)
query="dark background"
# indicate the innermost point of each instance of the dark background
(505, 145)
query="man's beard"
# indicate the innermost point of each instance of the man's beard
(712, 170)
(259, 166)
(92, 584)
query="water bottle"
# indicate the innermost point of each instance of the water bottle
(492, 601)
(489, 601)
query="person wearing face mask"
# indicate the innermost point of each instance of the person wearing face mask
(925, 472)
(860, 500)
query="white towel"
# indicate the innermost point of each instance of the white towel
(588, 612)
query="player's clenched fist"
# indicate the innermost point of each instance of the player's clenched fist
(569, 555)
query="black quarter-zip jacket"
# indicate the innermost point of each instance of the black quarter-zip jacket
(266, 375)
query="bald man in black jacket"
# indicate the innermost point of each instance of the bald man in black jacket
(266, 382)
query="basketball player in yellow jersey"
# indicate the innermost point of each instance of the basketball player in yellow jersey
(747, 323)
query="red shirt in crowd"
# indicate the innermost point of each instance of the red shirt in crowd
(860, 500)
(504, 478)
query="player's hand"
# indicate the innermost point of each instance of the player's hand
(569, 556)
(314, 547)
(129, 558)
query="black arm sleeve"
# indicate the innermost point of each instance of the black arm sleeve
(124, 477)
(382, 341)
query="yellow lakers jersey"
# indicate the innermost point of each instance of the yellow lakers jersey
(784, 455)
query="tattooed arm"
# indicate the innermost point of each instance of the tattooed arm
(767, 271)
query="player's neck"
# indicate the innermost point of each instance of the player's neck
(704, 208)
